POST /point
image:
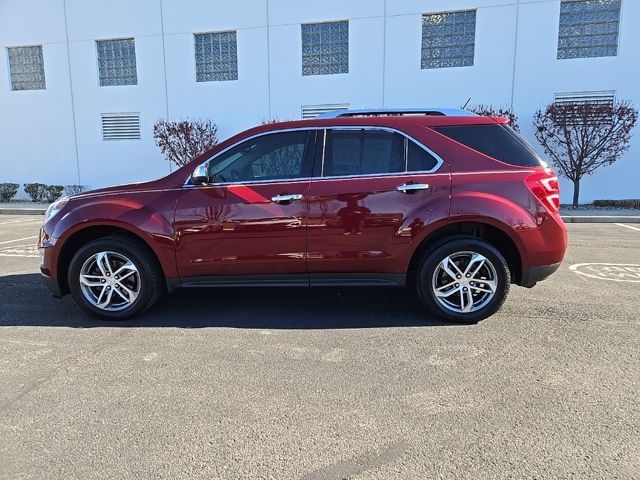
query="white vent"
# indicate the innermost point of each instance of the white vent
(121, 126)
(602, 98)
(595, 114)
(312, 111)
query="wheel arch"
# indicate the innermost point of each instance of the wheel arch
(87, 234)
(488, 232)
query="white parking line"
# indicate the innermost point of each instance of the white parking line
(11, 222)
(628, 226)
(18, 239)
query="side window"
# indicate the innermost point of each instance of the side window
(418, 159)
(362, 152)
(268, 157)
(496, 141)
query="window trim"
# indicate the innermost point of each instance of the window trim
(439, 160)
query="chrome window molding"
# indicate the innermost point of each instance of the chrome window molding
(439, 160)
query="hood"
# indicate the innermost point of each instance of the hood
(158, 184)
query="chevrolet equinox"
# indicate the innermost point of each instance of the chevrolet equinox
(457, 206)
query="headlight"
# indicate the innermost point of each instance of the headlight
(54, 208)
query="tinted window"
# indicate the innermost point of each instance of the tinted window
(418, 159)
(268, 157)
(361, 152)
(496, 141)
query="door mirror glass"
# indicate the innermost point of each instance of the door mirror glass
(200, 175)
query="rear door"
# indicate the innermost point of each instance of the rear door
(373, 195)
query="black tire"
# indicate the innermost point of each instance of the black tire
(151, 279)
(456, 246)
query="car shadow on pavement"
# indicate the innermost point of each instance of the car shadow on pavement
(24, 301)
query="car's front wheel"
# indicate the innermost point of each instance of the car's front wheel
(114, 278)
(463, 280)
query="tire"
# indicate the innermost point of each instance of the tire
(140, 280)
(444, 296)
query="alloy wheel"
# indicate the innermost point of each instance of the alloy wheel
(110, 281)
(464, 282)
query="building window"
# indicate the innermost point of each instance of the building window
(448, 39)
(588, 28)
(117, 62)
(325, 48)
(27, 68)
(216, 56)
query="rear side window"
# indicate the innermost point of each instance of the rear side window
(361, 152)
(418, 159)
(496, 141)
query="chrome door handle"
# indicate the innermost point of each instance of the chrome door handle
(286, 198)
(412, 187)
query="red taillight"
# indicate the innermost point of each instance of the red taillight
(546, 188)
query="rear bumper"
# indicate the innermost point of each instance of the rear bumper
(533, 275)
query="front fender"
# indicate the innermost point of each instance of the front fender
(147, 215)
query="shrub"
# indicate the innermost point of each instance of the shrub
(74, 189)
(53, 192)
(182, 141)
(8, 191)
(269, 121)
(631, 203)
(35, 191)
(491, 111)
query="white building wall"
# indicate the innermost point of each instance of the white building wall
(54, 135)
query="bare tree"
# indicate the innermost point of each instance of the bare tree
(491, 111)
(582, 137)
(182, 141)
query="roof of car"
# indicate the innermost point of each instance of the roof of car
(387, 121)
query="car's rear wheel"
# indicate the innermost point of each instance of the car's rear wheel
(463, 280)
(114, 278)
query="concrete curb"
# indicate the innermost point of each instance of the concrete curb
(22, 211)
(601, 219)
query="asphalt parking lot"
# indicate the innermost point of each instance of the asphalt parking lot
(326, 383)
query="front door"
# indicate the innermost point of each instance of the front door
(374, 196)
(251, 221)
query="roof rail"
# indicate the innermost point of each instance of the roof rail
(449, 112)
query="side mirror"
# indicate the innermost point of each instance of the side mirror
(200, 176)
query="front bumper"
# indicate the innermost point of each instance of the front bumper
(47, 264)
(52, 284)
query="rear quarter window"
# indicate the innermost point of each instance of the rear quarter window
(496, 141)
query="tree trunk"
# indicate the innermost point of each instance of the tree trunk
(576, 192)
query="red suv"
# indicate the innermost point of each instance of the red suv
(458, 205)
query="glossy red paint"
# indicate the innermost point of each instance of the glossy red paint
(367, 225)
(340, 225)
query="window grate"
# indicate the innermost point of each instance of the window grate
(216, 56)
(448, 39)
(121, 126)
(588, 28)
(27, 68)
(325, 48)
(312, 111)
(117, 62)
